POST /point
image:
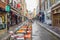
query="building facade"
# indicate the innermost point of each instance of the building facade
(23, 9)
(3, 17)
(51, 11)
(47, 11)
(14, 16)
(55, 11)
(41, 11)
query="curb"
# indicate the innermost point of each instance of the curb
(54, 33)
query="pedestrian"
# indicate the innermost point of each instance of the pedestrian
(8, 27)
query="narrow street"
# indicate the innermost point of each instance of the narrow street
(29, 19)
(39, 33)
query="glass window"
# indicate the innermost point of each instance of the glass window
(57, 1)
(3, 0)
(52, 2)
(10, 1)
(14, 4)
(47, 4)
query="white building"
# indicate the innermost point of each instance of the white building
(47, 12)
(46, 9)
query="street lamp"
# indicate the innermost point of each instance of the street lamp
(7, 9)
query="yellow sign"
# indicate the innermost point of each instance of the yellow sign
(2, 18)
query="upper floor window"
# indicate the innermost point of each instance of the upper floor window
(10, 1)
(3, 0)
(52, 1)
(57, 1)
(14, 4)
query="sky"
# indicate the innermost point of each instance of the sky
(31, 4)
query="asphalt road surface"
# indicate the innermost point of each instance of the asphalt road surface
(39, 33)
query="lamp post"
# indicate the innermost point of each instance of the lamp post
(7, 9)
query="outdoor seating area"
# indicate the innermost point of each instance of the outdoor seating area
(24, 33)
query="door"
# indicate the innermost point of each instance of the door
(55, 19)
(58, 20)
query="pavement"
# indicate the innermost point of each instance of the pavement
(53, 30)
(39, 33)
(4, 34)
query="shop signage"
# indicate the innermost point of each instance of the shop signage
(7, 8)
(18, 5)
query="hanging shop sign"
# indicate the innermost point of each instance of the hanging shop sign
(7, 8)
(18, 5)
